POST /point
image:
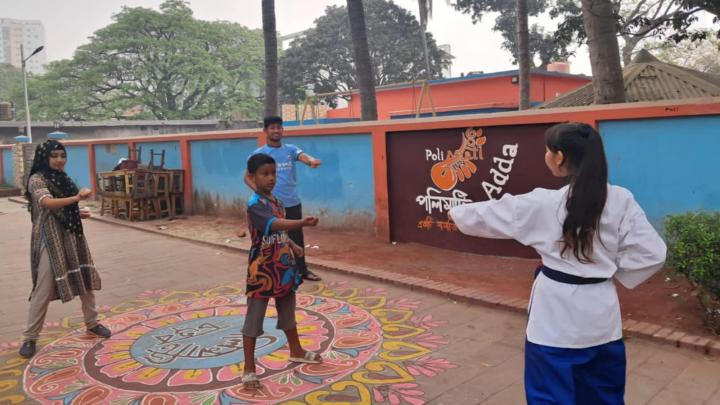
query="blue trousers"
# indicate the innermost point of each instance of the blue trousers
(589, 376)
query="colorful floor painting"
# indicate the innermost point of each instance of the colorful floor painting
(185, 347)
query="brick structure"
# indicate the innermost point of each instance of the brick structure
(22, 154)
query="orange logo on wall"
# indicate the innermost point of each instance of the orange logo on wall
(458, 166)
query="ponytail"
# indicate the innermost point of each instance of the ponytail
(584, 155)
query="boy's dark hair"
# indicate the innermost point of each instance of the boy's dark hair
(584, 155)
(273, 119)
(257, 161)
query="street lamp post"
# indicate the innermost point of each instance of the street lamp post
(27, 102)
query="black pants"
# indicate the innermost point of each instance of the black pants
(295, 212)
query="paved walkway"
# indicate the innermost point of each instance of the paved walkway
(389, 344)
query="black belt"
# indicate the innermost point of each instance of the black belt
(561, 277)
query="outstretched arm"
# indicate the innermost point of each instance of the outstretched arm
(57, 203)
(309, 160)
(282, 224)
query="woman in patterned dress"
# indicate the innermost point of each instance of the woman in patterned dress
(61, 265)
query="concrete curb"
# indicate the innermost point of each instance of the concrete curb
(631, 328)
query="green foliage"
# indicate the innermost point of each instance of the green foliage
(703, 56)
(544, 46)
(637, 20)
(165, 64)
(671, 20)
(693, 241)
(324, 59)
(10, 80)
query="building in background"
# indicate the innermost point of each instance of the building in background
(473, 93)
(117, 128)
(286, 40)
(447, 71)
(30, 34)
(649, 79)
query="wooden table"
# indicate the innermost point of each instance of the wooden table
(140, 193)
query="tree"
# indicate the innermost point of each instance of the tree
(10, 79)
(703, 56)
(638, 20)
(425, 8)
(271, 57)
(523, 54)
(607, 77)
(60, 94)
(323, 58)
(356, 16)
(542, 46)
(164, 63)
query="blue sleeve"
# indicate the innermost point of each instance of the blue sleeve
(296, 151)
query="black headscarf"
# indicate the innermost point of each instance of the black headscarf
(59, 184)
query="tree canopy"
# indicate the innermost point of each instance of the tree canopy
(544, 46)
(637, 20)
(703, 56)
(165, 64)
(10, 80)
(323, 58)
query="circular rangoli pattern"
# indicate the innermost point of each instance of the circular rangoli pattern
(186, 348)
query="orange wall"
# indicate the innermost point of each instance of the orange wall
(494, 92)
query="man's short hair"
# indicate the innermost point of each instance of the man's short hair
(273, 119)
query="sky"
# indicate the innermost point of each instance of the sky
(69, 23)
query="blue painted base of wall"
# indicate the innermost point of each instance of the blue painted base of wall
(670, 165)
(172, 153)
(8, 171)
(108, 156)
(218, 169)
(78, 165)
(341, 191)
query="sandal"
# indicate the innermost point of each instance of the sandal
(310, 276)
(251, 382)
(309, 358)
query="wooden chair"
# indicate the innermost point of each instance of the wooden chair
(177, 188)
(139, 187)
(112, 186)
(140, 193)
(160, 205)
(152, 165)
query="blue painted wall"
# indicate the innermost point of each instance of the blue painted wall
(78, 165)
(670, 165)
(344, 184)
(172, 153)
(7, 162)
(108, 155)
(342, 190)
(218, 167)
